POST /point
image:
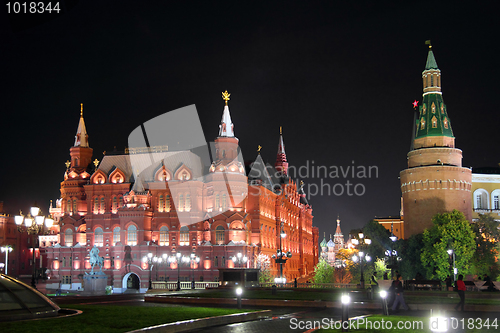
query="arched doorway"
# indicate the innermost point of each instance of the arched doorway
(131, 283)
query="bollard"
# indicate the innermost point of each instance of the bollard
(346, 299)
(273, 290)
(239, 291)
(385, 308)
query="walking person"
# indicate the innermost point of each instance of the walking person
(398, 290)
(461, 292)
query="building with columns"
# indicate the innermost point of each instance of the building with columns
(435, 181)
(176, 205)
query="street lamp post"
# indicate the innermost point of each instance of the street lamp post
(280, 257)
(149, 260)
(393, 252)
(194, 260)
(33, 225)
(452, 253)
(239, 259)
(6, 249)
(362, 241)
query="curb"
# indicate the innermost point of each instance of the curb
(192, 324)
(311, 304)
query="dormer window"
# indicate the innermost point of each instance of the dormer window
(422, 124)
(442, 108)
(424, 108)
(434, 122)
(433, 107)
(445, 122)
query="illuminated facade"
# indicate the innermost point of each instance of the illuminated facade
(486, 192)
(126, 215)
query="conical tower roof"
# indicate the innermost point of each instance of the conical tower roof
(226, 127)
(81, 137)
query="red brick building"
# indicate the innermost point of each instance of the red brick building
(175, 205)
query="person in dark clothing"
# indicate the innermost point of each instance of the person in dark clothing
(398, 290)
(448, 283)
(461, 292)
(386, 277)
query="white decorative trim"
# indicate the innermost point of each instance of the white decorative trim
(432, 92)
(485, 178)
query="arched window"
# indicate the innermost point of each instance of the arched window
(116, 235)
(98, 237)
(217, 201)
(188, 202)
(181, 202)
(224, 201)
(480, 199)
(96, 205)
(445, 122)
(103, 206)
(120, 201)
(164, 240)
(68, 206)
(167, 203)
(75, 210)
(68, 237)
(219, 235)
(434, 122)
(184, 237)
(160, 203)
(115, 204)
(495, 197)
(132, 235)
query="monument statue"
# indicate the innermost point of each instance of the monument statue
(95, 259)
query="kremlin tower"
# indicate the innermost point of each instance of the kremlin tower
(435, 181)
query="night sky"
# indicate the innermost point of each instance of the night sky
(339, 79)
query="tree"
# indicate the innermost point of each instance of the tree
(450, 231)
(263, 262)
(485, 259)
(410, 251)
(323, 272)
(379, 237)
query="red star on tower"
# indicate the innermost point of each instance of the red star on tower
(415, 104)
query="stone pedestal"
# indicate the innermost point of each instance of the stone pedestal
(95, 284)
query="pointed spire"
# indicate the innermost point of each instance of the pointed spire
(431, 61)
(338, 231)
(81, 137)
(226, 128)
(281, 164)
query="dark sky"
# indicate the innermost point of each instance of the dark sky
(340, 79)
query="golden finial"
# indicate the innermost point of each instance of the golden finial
(428, 42)
(68, 163)
(259, 147)
(281, 131)
(225, 96)
(81, 109)
(96, 162)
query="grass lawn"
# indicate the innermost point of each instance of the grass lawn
(113, 318)
(330, 295)
(449, 300)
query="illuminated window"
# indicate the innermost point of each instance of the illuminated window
(496, 203)
(68, 206)
(434, 122)
(167, 203)
(433, 107)
(96, 205)
(422, 124)
(98, 237)
(188, 202)
(74, 207)
(132, 235)
(224, 201)
(164, 236)
(219, 235)
(120, 201)
(103, 206)
(160, 203)
(481, 199)
(184, 237)
(181, 202)
(445, 122)
(115, 204)
(424, 108)
(66, 279)
(116, 235)
(217, 201)
(68, 237)
(442, 108)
